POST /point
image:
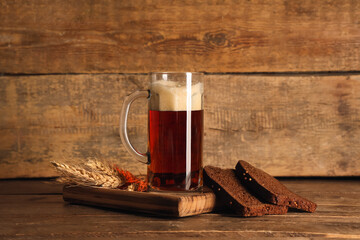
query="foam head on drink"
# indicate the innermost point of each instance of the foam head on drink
(175, 136)
(170, 96)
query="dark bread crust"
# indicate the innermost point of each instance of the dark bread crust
(232, 193)
(266, 187)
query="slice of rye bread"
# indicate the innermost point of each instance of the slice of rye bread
(233, 194)
(269, 189)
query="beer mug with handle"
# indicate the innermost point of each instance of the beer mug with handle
(175, 131)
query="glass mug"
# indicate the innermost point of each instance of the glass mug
(175, 131)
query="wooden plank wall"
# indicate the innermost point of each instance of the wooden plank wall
(282, 80)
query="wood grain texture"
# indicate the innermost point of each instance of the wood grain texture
(57, 36)
(158, 203)
(46, 216)
(286, 125)
(295, 126)
(44, 118)
(30, 187)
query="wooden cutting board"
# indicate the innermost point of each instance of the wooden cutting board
(161, 203)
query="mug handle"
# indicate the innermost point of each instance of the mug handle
(141, 157)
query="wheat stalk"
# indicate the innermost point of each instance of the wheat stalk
(98, 166)
(73, 174)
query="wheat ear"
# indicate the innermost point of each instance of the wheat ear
(96, 165)
(78, 175)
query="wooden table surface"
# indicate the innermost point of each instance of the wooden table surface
(34, 209)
